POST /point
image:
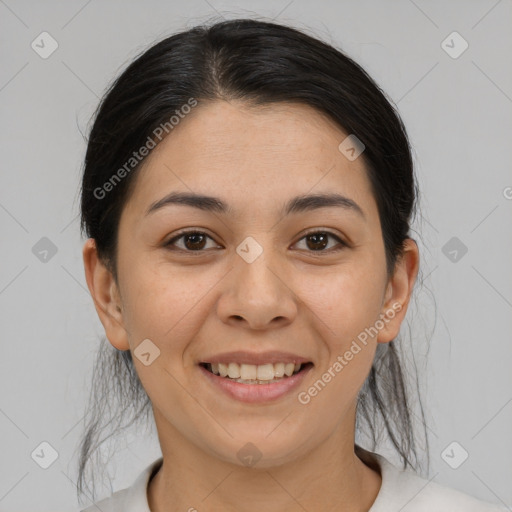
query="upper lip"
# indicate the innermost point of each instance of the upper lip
(244, 357)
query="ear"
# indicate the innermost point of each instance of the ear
(106, 297)
(398, 292)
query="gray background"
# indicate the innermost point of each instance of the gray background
(458, 115)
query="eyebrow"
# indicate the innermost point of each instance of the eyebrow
(297, 204)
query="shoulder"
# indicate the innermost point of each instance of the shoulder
(408, 492)
(422, 495)
(114, 503)
(131, 499)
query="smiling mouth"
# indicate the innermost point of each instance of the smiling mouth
(255, 374)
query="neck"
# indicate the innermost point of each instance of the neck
(329, 478)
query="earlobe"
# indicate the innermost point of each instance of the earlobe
(106, 297)
(399, 291)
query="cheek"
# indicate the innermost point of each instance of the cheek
(345, 310)
(164, 306)
(346, 301)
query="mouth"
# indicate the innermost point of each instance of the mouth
(255, 374)
(255, 383)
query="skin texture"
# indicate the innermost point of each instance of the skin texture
(294, 298)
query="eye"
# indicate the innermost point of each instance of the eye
(194, 241)
(317, 241)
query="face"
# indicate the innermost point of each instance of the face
(274, 285)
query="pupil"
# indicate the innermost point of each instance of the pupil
(195, 241)
(318, 244)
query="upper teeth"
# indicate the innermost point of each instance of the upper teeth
(254, 372)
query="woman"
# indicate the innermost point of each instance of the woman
(247, 197)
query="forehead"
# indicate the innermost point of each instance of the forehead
(252, 156)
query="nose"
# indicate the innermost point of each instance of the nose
(257, 295)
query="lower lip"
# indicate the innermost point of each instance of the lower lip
(256, 393)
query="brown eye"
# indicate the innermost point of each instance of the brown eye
(196, 241)
(317, 241)
(193, 241)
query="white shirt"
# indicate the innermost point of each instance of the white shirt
(401, 491)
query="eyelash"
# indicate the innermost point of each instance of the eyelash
(171, 242)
